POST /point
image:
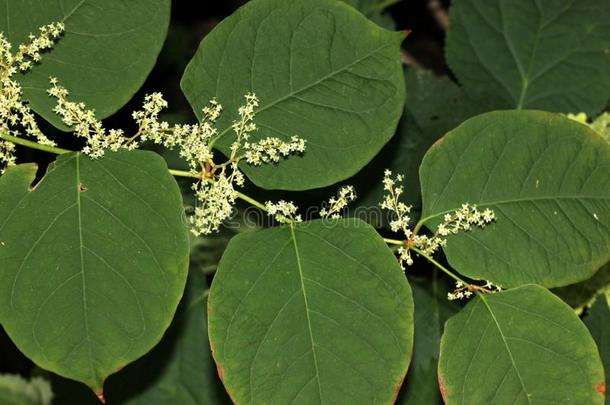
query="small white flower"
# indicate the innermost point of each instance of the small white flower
(345, 195)
(283, 211)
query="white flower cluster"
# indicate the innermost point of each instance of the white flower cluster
(85, 125)
(466, 291)
(267, 150)
(462, 219)
(270, 150)
(215, 191)
(16, 118)
(283, 211)
(345, 195)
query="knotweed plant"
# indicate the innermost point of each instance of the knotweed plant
(460, 220)
(216, 189)
(96, 254)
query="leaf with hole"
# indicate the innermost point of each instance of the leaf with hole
(316, 312)
(321, 70)
(547, 179)
(521, 346)
(94, 259)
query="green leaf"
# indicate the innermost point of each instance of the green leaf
(580, 294)
(546, 178)
(521, 346)
(432, 309)
(549, 55)
(434, 106)
(102, 59)
(317, 312)
(94, 259)
(597, 321)
(181, 365)
(179, 370)
(15, 390)
(321, 70)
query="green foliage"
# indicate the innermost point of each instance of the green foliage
(432, 309)
(321, 70)
(549, 55)
(94, 254)
(104, 56)
(79, 248)
(311, 313)
(520, 346)
(543, 175)
(179, 369)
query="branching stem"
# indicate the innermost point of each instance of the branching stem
(173, 172)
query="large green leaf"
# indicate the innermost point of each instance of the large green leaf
(547, 179)
(321, 70)
(179, 370)
(104, 56)
(551, 55)
(521, 346)
(432, 309)
(93, 259)
(598, 322)
(318, 312)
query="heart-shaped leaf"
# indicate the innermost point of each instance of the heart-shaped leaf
(550, 55)
(93, 261)
(104, 56)
(317, 312)
(547, 179)
(521, 346)
(321, 70)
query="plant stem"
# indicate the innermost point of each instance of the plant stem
(440, 266)
(34, 145)
(393, 241)
(252, 201)
(182, 173)
(60, 151)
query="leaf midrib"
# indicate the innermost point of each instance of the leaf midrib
(82, 264)
(303, 290)
(518, 200)
(510, 354)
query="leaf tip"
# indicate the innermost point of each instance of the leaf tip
(100, 396)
